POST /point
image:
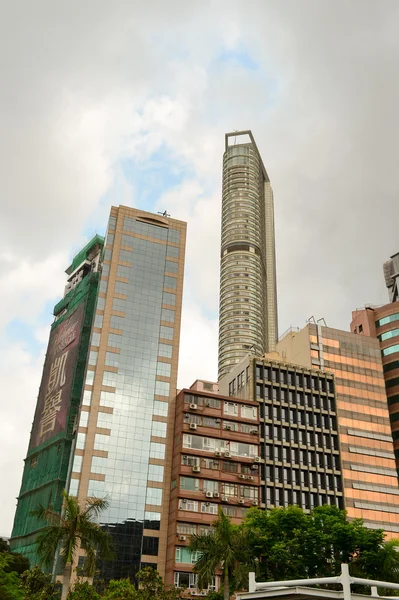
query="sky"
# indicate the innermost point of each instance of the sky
(106, 103)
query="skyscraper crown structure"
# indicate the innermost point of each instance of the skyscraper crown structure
(391, 272)
(248, 291)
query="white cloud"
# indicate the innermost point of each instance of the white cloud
(84, 90)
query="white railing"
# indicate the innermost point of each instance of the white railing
(345, 579)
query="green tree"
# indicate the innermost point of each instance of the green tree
(37, 585)
(120, 589)
(291, 544)
(9, 580)
(151, 586)
(75, 528)
(83, 591)
(225, 550)
(18, 563)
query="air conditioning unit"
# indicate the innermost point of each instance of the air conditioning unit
(227, 454)
(184, 501)
(196, 469)
(207, 503)
(254, 431)
(209, 494)
(218, 453)
(257, 459)
(208, 404)
(251, 478)
(216, 494)
(193, 425)
(217, 420)
(242, 476)
(255, 467)
(227, 427)
(254, 502)
(241, 501)
(193, 406)
(225, 498)
(182, 538)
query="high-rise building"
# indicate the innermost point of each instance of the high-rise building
(215, 464)
(382, 323)
(46, 463)
(248, 294)
(391, 272)
(367, 454)
(300, 449)
(125, 432)
(118, 382)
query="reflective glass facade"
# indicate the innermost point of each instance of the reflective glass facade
(132, 380)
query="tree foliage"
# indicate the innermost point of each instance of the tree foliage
(225, 550)
(37, 585)
(75, 527)
(9, 580)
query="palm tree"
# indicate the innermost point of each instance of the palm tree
(73, 529)
(226, 550)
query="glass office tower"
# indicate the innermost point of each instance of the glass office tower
(125, 430)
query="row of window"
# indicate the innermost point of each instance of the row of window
(306, 500)
(300, 457)
(229, 408)
(192, 484)
(300, 417)
(300, 436)
(215, 445)
(190, 581)
(227, 466)
(390, 350)
(386, 320)
(302, 478)
(216, 423)
(276, 394)
(209, 508)
(293, 378)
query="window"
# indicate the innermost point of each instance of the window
(231, 408)
(185, 580)
(190, 461)
(114, 340)
(189, 484)
(77, 464)
(98, 321)
(172, 252)
(169, 298)
(152, 520)
(245, 428)
(165, 350)
(389, 334)
(80, 441)
(386, 320)
(168, 315)
(186, 528)
(109, 378)
(249, 412)
(158, 429)
(170, 282)
(171, 267)
(157, 450)
(209, 508)
(111, 359)
(250, 493)
(86, 401)
(154, 496)
(229, 467)
(93, 357)
(162, 388)
(210, 485)
(89, 378)
(160, 408)
(230, 426)
(163, 369)
(191, 505)
(230, 489)
(104, 420)
(166, 333)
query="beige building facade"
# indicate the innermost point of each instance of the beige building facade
(125, 429)
(369, 475)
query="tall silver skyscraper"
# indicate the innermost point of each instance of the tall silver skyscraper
(391, 272)
(248, 291)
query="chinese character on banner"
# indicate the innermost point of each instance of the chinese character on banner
(57, 374)
(52, 405)
(53, 398)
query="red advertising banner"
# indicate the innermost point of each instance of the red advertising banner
(55, 389)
